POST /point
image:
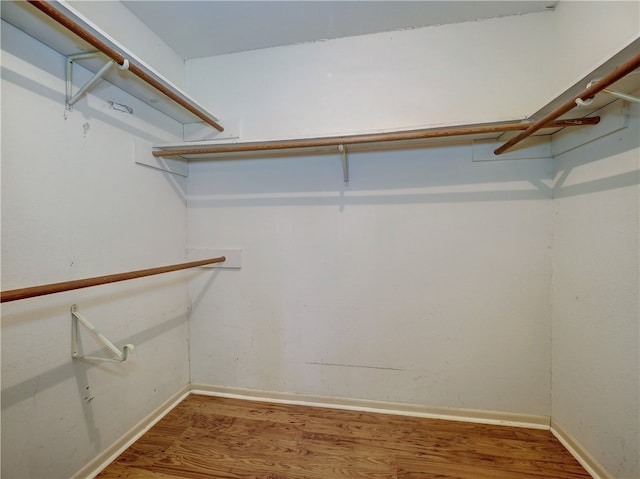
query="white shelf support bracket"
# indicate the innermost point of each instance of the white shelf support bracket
(617, 94)
(76, 318)
(71, 99)
(345, 163)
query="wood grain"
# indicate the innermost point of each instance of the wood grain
(210, 437)
(33, 291)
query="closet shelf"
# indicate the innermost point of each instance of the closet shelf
(628, 84)
(393, 139)
(583, 98)
(64, 29)
(625, 62)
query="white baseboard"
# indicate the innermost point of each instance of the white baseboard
(366, 405)
(363, 405)
(585, 459)
(112, 452)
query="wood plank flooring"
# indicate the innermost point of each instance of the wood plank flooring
(210, 437)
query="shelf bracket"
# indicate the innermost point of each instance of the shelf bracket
(345, 163)
(617, 94)
(70, 98)
(76, 318)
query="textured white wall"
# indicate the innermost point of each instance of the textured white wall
(425, 281)
(472, 72)
(402, 286)
(74, 205)
(596, 337)
(596, 328)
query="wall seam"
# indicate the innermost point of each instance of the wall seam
(552, 279)
(186, 253)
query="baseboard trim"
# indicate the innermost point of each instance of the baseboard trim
(363, 405)
(576, 449)
(112, 452)
(366, 405)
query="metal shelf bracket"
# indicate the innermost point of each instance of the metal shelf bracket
(71, 99)
(345, 163)
(76, 318)
(617, 94)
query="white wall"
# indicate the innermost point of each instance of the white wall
(300, 316)
(426, 280)
(596, 364)
(403, 286)
(596, 334)
(74, 205)
(452, 74)
(579, 47)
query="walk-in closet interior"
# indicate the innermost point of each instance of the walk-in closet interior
(437, 217)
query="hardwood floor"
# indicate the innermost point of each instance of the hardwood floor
(209, 437)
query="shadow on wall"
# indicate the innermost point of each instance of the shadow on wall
(93, 113)
(30, 387)
(123, 291)
(23, 54)
(40, 70)
(205, 289)
(440, 174)
(560, 190)
(573, 171)
(81, 108)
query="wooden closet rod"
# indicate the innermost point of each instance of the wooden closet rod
(366, 138)
(24, 293)
(116, 56)
(587, 93)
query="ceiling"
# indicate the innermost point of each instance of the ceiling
(196, 29)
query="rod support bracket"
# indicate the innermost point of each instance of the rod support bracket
(345, 164)
(70, 98)
(121, 355)
(617, 94)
